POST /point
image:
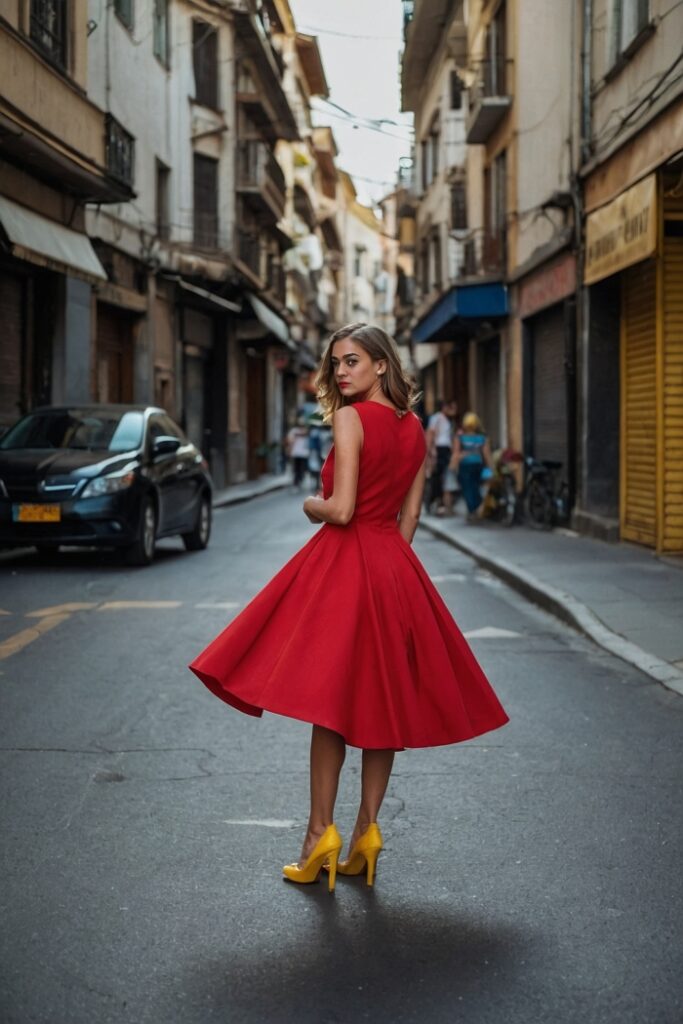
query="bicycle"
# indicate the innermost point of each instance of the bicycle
(546, 500)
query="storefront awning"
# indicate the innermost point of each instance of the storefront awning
(461, 304)
(270, 320)
(39, 240)
(206, 296)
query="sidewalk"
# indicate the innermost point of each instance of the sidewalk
(621, 596)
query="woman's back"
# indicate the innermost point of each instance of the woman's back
(392, 453)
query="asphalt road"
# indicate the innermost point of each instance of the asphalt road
(532, 875)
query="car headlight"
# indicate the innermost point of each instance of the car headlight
(109, 484)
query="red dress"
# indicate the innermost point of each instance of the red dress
(351, 634)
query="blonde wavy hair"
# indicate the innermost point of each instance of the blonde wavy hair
(397, 386)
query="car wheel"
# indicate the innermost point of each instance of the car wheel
(141, 551)
(198, 537)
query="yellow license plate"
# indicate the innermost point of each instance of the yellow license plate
(37, 513)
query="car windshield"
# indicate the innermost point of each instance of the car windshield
(85, 429)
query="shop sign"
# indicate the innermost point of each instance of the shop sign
(622, 232)
(547, 286)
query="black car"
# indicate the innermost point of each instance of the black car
(104, 475)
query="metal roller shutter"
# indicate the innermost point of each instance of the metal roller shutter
(639, 404)
(12, 326)
(549, 386)
(672, 539)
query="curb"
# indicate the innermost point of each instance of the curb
(567, 608)
(257, 491)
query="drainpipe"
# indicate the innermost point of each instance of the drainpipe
(586, 62)
(582, 331)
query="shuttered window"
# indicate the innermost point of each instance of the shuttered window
(639, 404)
(205, 63)
(549, 387)
(672, 539)
(205, 201)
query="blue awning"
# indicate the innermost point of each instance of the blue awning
(461, 304)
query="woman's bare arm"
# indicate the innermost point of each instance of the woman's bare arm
(338, 509)
(456, 454)
(412, 506)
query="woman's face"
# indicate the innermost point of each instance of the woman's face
(355, 372)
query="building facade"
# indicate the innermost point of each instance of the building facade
(569, 228)
(631, 336)
(193, 315)
(56, 155)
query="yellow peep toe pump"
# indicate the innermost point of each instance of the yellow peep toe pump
(325, 852)
(364, 854)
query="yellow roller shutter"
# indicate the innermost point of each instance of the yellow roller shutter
(672, 539)
(639, 404)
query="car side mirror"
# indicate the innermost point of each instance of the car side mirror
(165, 445)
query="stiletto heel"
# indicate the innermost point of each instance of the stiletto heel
(327, 849)
(371, 860)
(332, 863)
(363, 856)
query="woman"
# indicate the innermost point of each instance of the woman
(471, 452)
(298, 450)
(387, 667)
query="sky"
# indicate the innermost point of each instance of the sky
(360, 42)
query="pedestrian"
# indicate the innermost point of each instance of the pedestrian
(315, 457)
(471, 454)
(439, 438)
(298, 450)
(385, 666)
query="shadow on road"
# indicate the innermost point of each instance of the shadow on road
(353, 957)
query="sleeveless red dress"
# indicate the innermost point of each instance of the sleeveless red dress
(351, 634)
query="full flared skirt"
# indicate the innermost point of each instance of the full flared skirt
(352, 635)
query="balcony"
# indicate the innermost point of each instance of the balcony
(266, 67)
(249, 252)
(260, 180)
(49, 126)
(484, 254)
(489, 101)
(425, 24)
(277, 284)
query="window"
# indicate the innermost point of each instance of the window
(124, 11)
(423, 165)
(358, 261)
(495, 212)
(495, 65)
(630, 17)
(120, 150)
(456, 91)
(160, 16)
(437, 276)
(162, 179)
(48, 28)
(424, 268)
(434, 146)
(205, 201)
(205, 63)
(458, 206)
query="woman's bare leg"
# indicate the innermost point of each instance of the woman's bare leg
(377, 765)
(328, 751)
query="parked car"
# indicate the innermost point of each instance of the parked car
(104, 475)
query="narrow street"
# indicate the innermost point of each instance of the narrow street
(532, 875)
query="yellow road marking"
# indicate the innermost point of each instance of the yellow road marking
(59, 609)
(110, 606)
(15, 643)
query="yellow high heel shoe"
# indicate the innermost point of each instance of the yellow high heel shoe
(364, 854)
(325, 852)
